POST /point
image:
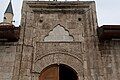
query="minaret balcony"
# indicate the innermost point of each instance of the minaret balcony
(9, 33)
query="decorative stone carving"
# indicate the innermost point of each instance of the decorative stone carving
(58, 34)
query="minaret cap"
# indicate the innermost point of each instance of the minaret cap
(9, 8)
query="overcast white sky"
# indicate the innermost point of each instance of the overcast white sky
(108, 11)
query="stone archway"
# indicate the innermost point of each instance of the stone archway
(59, 58)
(58, 72)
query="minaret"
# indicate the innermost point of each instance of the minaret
(8, 15)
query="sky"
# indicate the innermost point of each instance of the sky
(108, 11)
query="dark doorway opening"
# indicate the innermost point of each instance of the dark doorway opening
(67, 73)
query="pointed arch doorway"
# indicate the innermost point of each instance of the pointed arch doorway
(58, 72)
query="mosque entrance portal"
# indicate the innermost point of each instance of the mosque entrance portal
(58, 72)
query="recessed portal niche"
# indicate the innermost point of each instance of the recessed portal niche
(59, 33)
(58, 72)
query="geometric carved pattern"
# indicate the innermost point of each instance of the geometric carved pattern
(59, 58)
(67, 53)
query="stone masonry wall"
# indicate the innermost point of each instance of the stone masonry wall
(9, 60)
(109, 66)
(91, 59)
(78, 18)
